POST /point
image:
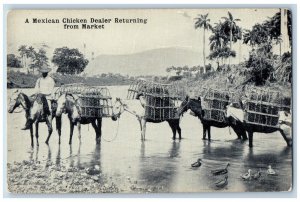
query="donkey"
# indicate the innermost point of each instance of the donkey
(284, 124)
(35, 111)
(70, 104)
(195, 106)
(119, 107)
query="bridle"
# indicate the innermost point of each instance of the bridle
(123, 108)
(184, 105)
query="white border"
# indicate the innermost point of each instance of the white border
(158, 3)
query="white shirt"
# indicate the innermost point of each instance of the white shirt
(44, 85)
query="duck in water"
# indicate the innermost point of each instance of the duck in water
(257, 175)
(220, 171)
(247, 176)
(270, 170)
(197, 163)
(222, 183)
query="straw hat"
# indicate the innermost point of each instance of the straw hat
(45, 69)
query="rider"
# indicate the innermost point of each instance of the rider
(44, 85)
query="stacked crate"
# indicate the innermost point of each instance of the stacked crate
(161, 100)
(262, 107)
(95, 102)
(214, 104)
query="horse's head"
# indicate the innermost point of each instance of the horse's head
(184, 106)
(61, 104)
(192, 104)
(15, 101)
(118, 109)
(66, 101)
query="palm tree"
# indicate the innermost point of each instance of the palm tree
(257, 36)
(22, 49)
(30, 53)
(203, 22)
(231, 22)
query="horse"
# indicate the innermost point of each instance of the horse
(195, 106)
(35, 110)
(119, 107)
(70, 104)
(284, 123)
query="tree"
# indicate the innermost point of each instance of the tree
(273, 25)
(234, 30)
(13, 61)
(22, 50)
(260, 64)
(39, 59)
(203, 22)
(258, 35)
(69, 61)
(231, 23)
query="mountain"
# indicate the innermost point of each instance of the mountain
(150, 62)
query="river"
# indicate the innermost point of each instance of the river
(159, 161)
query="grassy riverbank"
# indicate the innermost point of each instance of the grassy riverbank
(22, 80)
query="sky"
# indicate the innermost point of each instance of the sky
(164, 28)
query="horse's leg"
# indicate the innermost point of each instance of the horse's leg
(143, 134)
(244, 134)
(71, 131)
(173, 127)
(31, 135)
(208, 130)
(204, 131)
(140, 121)
(79, 131)
(37, 133)
(94, 124)
(99, 130)
(178, 128)
(58, 127)
(49, 124)
(287, 140)
(250, 134)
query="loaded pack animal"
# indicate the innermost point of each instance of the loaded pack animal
(119, 107)
(284, 124)
(70, 104)
(196, 107)
(36, 110)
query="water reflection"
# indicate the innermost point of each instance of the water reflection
(96, 156)
(158, 172)
(58, 158)
(79, 157)
(71, 156)
(174, 151)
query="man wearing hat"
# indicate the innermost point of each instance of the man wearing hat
(44, 85)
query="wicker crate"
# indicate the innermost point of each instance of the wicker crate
(160, 107)
(95, 106)
(94, 101)
(161, 100)
(262, 107)
(214, 104)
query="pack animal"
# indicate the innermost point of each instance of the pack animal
(70, 104)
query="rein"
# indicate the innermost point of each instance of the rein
(116, 134)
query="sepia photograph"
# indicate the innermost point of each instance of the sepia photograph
(149, 100)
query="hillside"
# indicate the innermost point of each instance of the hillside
(151, 62)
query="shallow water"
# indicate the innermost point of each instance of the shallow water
(158, 162)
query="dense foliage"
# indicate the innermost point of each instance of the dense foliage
(13, 61)
(69, 61)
